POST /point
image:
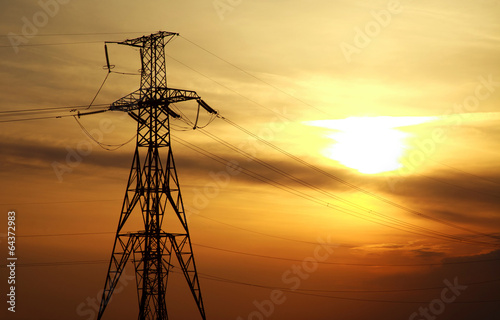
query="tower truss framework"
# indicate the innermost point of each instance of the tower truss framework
(153, 190)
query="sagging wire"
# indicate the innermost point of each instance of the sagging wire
(185, 119)
(105, 146)
(180, 128)
(212, 118)
(213, 114)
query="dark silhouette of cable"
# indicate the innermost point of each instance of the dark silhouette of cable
(255, 77)
(353, 186)
(347, 264)
(105, 146)
(315, 168)
(232, 90)
(324, 192)
(409, 227)
(51, 44)
(308, 292)
(56, 202)
(64, 234)
(460, 187)
(49, 109)
(364, 191)
(274, 257)
(37, 118)
(100, 88)
(468, 173)
(67, 43)
(84, 34)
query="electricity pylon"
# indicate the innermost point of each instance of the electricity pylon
(153, 189)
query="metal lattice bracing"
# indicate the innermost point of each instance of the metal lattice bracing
(153, 191)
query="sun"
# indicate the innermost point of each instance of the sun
(369, 145)
(376, 152)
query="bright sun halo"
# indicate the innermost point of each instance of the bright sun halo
(369, 145)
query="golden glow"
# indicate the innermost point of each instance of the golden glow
(369, 145)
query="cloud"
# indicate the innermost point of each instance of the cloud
(493, 255)
(473, 197)
(418, 248)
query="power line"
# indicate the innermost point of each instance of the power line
(274, 257)
(401, 223)
(308, 292)
(100, 88)
(409, 227)
(204, 217)
(314, 199)
(50, 108)
(24, 115)
(105, 146)
(229, 89)
(460, 187)
(353, 186)
(83, 34)
(65, 234)
(50, 44)
(59, 263)
(326, 173)
(66, 43)
(468, 173)
(324, 192)
(358, 299)
(298, 193)
(40, 111)
(270, 235)
(56, 202)
(406, 209)
(38, 118)
(347, 264)
(362, 190)
(198, 215)
(253, 76)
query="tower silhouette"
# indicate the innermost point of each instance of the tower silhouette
(153, 189)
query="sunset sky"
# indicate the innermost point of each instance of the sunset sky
(366, 135)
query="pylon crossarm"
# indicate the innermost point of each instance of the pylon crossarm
(139, 42)
(158, 96)
(127, 102)
(178, 95)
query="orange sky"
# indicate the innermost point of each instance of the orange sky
(272, 68)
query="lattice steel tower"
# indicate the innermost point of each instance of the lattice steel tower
(153, 189)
